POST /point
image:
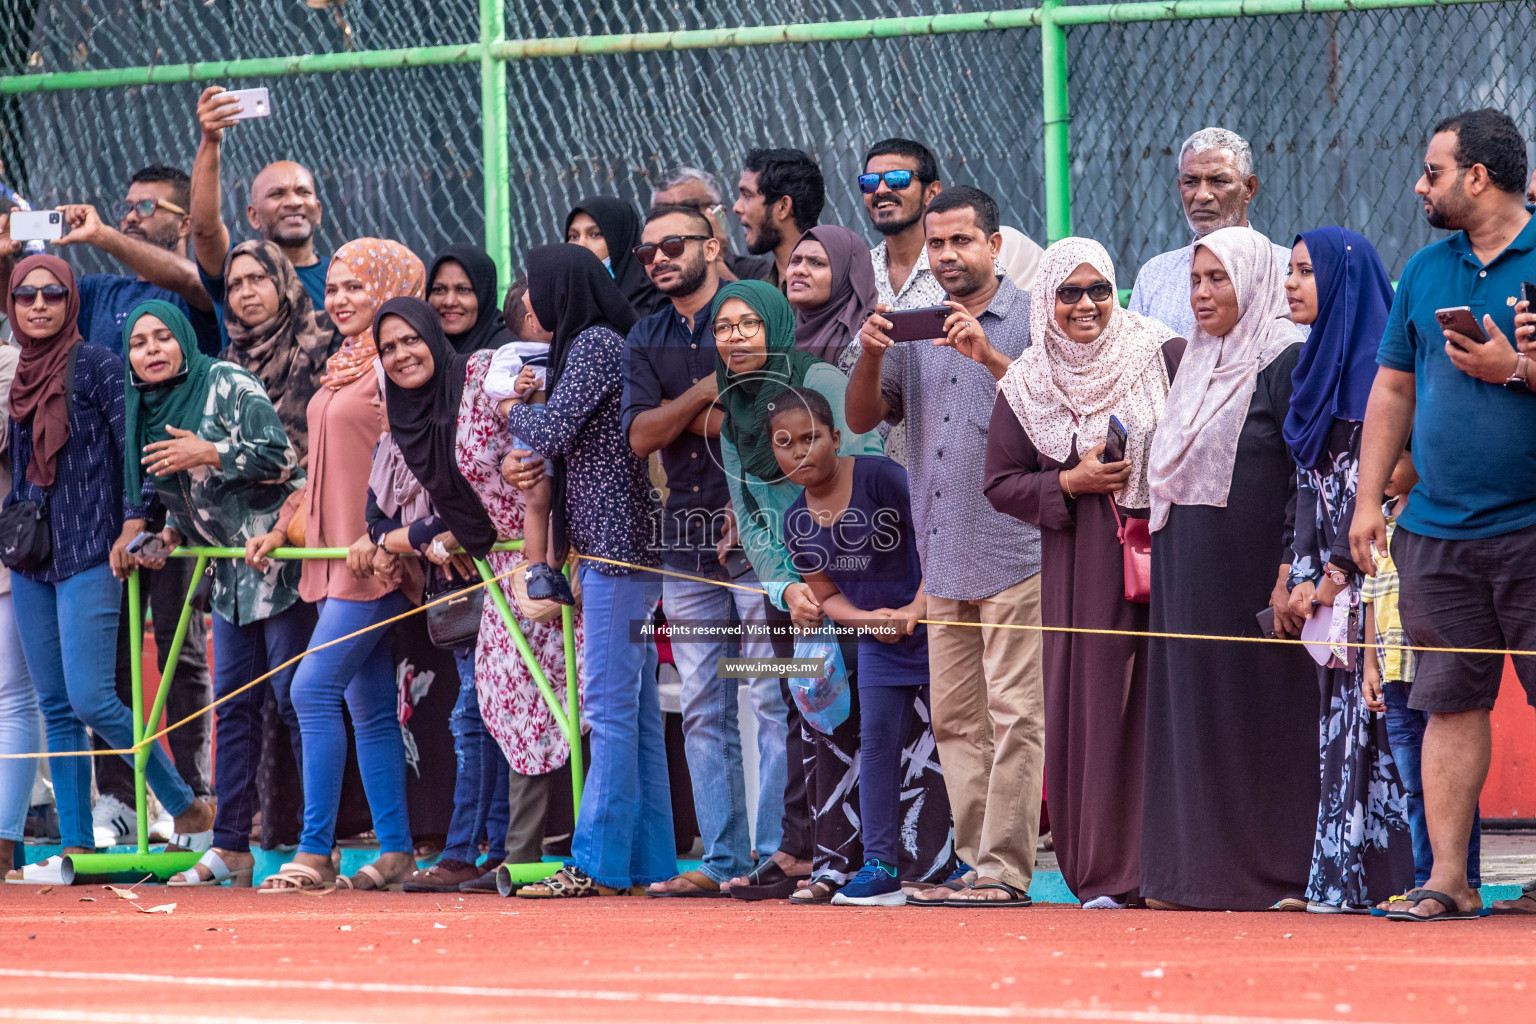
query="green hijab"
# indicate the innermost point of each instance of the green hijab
(746, 396)
(178, 402)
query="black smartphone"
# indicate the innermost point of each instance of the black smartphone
(736, 564)
(1461, 320)
(1114, 442)
(1267, 623)
(917, 324)
(1528, 293)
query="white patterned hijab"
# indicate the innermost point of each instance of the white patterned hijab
(1196, 444)
(1065, 392)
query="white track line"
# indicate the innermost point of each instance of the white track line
(99, 1017)
(613, 996)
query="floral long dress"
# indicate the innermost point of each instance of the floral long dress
(1361, 853)
(510, 703)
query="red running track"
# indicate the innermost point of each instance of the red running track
(233, 957)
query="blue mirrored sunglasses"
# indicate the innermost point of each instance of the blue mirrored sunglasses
(894, 180)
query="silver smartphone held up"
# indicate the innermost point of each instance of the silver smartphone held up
(1461, 320)
(253, 103)
(36, 225)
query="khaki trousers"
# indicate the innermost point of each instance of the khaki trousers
(989, 722)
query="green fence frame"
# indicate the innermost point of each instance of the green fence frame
(493, 50)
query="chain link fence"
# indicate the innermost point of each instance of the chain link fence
(1337, 107)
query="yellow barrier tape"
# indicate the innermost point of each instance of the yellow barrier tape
(147, 740)
(1086, 630)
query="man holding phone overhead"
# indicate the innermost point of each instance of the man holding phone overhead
(1465, 545)
(987, 696)
(284, 206)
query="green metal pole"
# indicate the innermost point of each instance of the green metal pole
(136, 681)
(499, 598)
(494, 140)
(163, 692)
(1058, 157)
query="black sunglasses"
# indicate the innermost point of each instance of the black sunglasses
(672, 247)
(1072, 294)
(26, 295)
(894, 180)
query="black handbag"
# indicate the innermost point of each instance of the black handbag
(455, 622)
(26, 538)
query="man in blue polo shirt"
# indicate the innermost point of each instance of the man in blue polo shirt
(1465, 545)
(669, 406)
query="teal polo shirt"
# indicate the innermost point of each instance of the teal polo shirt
(1474, 443)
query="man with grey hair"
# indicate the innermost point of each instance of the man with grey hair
(1216, 184)
(690, 186)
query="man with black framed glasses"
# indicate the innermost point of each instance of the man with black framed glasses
(690, 186)
(150, 240)
(669, 407)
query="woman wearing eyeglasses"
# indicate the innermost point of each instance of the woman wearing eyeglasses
(1091, 360)
(67, 438)
(756, 360)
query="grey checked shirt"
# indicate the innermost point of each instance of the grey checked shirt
(969, 550)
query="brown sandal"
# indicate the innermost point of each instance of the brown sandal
(697, 885)
(567, 883)
(375, 879)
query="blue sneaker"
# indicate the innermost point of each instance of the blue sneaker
(875, 885)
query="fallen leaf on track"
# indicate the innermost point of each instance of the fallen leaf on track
(164, 908)
(122, 894)
(46, 888)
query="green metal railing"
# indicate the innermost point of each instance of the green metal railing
(492, 51)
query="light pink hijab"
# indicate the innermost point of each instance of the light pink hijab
(1195, 447)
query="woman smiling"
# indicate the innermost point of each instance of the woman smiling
(1090, 361)
(209, 440)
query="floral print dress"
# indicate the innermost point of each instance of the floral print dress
(510, 703)
(1361, 853)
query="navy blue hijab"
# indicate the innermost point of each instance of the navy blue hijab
(1332, 379)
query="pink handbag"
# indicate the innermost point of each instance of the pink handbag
(1136, 551)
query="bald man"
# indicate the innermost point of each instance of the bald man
(283, 208)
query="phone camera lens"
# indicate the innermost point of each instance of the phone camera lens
(53, 218)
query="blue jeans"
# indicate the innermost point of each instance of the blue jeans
(481, 807)
(243, 653)
(76, 685)
(1405, 731)
(624, 830)
(19, 731)
(711, 736)
(362, 671)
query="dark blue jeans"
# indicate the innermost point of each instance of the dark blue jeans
(241, 653)
(480, 790)
(1405, 731)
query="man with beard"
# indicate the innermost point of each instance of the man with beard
(987, 691)
(1465, 543)
(283, 207)
(779, 198)
(1216, 183)
(900, 179)
(151, 241)
(670, 406)
(690, 186)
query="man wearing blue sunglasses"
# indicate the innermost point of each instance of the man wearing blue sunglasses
(900, 179)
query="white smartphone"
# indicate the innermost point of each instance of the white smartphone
(253, 103)
(35, 225)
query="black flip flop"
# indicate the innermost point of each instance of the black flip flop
(767, 881)
(1015, 897)
(1452, 911)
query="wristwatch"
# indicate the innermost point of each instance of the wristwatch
(1336, 575)
(1517, 382)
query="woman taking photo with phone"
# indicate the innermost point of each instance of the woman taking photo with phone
(1091, 361)
(1362, 852)
(205, 435)
(67, 448)
(1230, 785)
(344, 426)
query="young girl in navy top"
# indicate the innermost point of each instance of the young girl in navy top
(850, 537)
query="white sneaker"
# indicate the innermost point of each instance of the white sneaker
(113, 821)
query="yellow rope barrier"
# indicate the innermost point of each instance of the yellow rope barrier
(1086, 630)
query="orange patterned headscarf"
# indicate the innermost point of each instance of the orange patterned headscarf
(388, 270)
